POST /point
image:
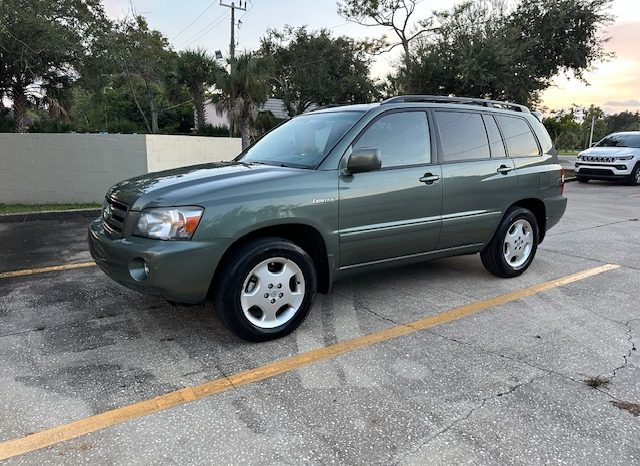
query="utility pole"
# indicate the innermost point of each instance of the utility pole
(593, 124)
(242, 6)
(232, 44)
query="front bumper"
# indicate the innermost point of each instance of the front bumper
(179, 271)
(605, 171)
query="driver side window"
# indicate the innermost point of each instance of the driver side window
(402, 138)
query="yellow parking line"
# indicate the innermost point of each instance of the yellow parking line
(61, 433)
(52, 268)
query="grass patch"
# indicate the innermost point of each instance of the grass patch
(596, 382)
(568, 152)
(21, 208)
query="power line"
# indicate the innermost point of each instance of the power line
(196, 19)
(209, 27)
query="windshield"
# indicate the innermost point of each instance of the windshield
(620, 140)
(301, 142)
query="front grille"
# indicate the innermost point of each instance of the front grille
(114, 213)
(596, 171)
(592, 158)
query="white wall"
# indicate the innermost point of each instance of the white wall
(62, 168)
(164, 152)
(212, 117)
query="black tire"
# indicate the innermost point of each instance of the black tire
(235, 274)
(493, 255)
(582, 179)
(634, 178)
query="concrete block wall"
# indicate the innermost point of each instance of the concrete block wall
(165, 152)
(67, 168)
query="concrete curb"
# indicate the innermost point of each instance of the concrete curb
(49, 215)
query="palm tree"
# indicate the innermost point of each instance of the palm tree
(243, 89)
(196, 70)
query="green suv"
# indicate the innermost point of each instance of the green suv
(330, 192)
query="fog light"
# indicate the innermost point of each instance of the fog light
(139, 269)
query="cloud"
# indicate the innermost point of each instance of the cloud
(623, 103)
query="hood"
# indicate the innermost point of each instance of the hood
(187, 185)
(610, 151)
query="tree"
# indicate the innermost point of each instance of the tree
(624, 121)
(196, 70)
(243, 90)
(564, 129)
(480, 49)
(596, 115)
(41, 42)
(313, 67)
(144, 58)
(394, 14)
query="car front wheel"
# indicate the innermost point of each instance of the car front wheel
(514, 244)
(582, 179)
(634, 178)
(265, 290)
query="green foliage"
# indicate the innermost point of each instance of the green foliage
(571, 129)
(313, 67)
(210, 130)
(145, 59)
(564, 129)
(23, 208)
(480, 49)
(197, 71)
(243, 89)
(41, 43)
(625, 121)
(265, 122)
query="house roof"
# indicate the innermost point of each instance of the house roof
(277, 108)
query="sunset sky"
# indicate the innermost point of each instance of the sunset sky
(613, 85)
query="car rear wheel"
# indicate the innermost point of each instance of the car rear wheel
(265, 290)
(634, 178)
(582, 179)
(514, 244)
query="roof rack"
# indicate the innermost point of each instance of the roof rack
(456, 100)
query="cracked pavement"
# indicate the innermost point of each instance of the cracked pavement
(503, 386)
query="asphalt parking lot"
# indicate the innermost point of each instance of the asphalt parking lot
(488, 382)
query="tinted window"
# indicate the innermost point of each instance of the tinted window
(517, 134)
(621, 140)
(462, 135)
(403, 139)
(302, 141)
(495, 140)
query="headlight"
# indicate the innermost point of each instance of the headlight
(174, 223)
(628, 157)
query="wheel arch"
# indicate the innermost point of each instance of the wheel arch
(538, 209)
(303, 235)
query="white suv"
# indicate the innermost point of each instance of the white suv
(616, 157)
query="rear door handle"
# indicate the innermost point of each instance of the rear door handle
(504, 169)
(429, 178)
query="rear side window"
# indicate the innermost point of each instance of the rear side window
(463, 136)
(495, 140)
(403, 139)
(518, 137)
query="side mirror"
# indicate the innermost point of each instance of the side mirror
(364, 160)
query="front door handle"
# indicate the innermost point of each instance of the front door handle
(429, 178)
(504, 169)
